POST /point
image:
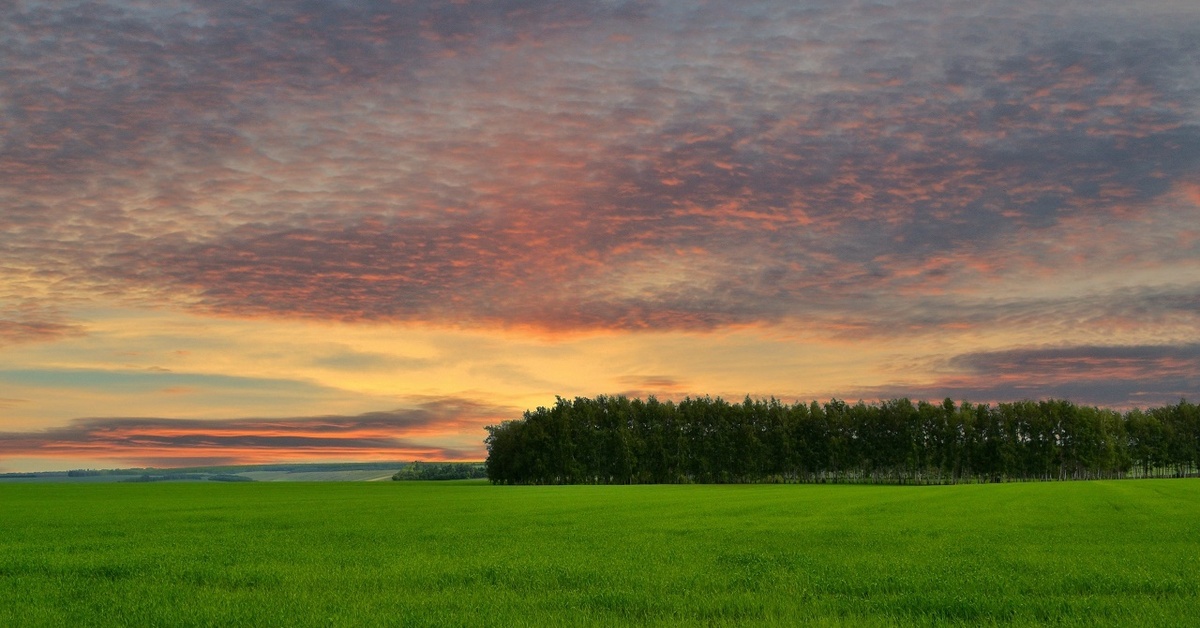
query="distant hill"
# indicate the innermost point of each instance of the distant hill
(280, 472)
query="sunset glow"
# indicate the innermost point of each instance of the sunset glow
(237, 233)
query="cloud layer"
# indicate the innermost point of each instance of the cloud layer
(1014, 175)
(398, 435)
(614, 166)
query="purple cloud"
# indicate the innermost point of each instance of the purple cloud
(419, 432)
(857, 171)
(1121, 376)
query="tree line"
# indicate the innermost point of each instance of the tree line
(441, 471)
(617, 440)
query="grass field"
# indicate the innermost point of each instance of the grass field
(425, 553)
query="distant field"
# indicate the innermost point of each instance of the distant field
(318, 476)
(277, 472)
(256, 474)
(468, 553)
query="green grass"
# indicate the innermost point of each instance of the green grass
(414, 553)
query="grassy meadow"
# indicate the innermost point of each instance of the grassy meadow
(468, 553)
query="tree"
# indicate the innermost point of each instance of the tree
(618, 440)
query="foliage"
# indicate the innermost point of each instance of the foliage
(229, 477)
(170, 477)
(472, 554)
(83, 473)
(616, 440)
(442, 471)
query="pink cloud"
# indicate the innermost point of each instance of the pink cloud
(431, 431)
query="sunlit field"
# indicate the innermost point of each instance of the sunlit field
(426, 553)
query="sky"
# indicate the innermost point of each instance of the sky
(358, 230)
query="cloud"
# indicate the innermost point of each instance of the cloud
(431, 429)
(1114, 362)
(150, 380)
(26, 321)
(350, 360)
(1116, 375)
(15, 332)
(109, 84)
(659, 386)
(601, 166)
